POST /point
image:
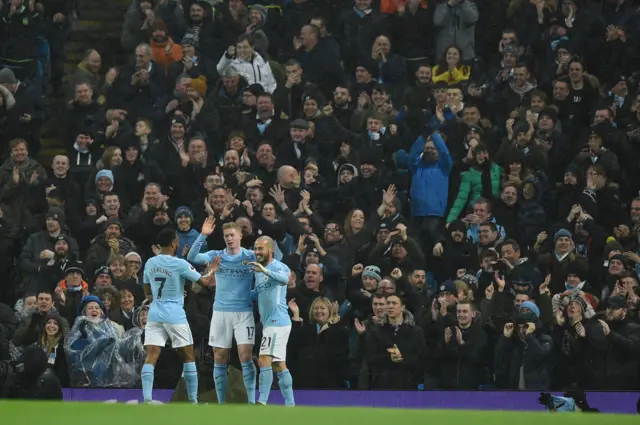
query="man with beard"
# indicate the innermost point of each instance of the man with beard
(51, 272)
(165, 50)
(418, 98)
(624, 336)
(454, 247)
(504, 209)
(342, 106)
(104, 246)
(271, 277)
(40, 247)
(233, 177)
(430, 166)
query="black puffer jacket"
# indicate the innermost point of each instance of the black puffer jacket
(463, 366)
(623, 356)
(385, 374)
(8, 325)
(531, 214)
(533, 354)
(319, 357)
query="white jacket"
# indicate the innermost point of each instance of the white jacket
(257, 71)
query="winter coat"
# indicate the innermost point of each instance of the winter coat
(318, 355)
(30, 261)
(531, 215)
(8, 325)
(533, 355)
(430, 181)
(256, 71)
(471, 189)
(456, 25)
(463, 367)
(580, 360)
(15, 199)
(99, 252)
(385, 374)
(622, 357)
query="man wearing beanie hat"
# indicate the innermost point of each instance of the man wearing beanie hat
(555, 143)
(102, 277)
(518, 364)
(164, 50)
(40, 247)
(71, 290)
(111, 243)
(187, 235)
(199, 86)
(371, 272)
(361, 286)
(104, 181)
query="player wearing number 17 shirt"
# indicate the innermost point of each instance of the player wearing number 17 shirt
(272, 277)
(164, 277)
(232, 306)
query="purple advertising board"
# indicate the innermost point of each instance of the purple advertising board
(607, 402)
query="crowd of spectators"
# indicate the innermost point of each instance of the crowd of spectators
(450, 182)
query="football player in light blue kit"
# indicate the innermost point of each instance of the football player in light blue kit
(232, 306)
(164, 277)
(272, 277)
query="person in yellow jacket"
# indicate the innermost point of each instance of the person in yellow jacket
(451, 70)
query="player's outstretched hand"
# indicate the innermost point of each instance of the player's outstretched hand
(208, 226)
(257, 267)
(215, 264)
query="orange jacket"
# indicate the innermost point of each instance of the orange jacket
(160, 55)
(85, 287)
(390, 7)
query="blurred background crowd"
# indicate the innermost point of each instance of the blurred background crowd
(451, 183)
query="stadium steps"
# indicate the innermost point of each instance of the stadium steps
(98, 25)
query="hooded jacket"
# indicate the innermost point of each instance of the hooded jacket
(530, 355)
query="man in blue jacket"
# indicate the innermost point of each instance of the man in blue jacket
(430, 164)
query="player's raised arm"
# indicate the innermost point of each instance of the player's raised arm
(194, 255)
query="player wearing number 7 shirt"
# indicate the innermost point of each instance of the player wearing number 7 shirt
(272, 277)
(164, 277)
(232, 306)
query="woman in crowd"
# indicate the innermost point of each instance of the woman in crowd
(318, 346)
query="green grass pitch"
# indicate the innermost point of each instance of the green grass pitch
(181, 414)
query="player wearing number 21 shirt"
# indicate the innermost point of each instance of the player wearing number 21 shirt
(232, 305)
(272, 277)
